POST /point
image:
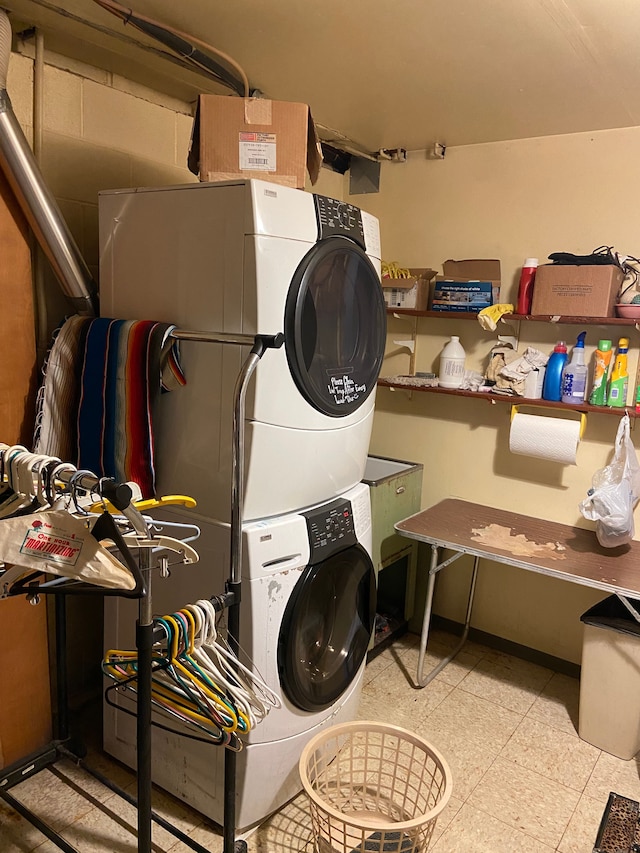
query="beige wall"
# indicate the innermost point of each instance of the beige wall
(507, 200)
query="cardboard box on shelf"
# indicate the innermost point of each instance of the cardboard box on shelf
(472, 270)
(254, 138)
(410, 293)
(576, 291)
(470, 296)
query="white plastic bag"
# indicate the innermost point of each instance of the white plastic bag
(614, 493)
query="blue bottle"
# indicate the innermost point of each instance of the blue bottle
(552, 386)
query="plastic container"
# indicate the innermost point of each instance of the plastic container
(534, 383)
(373, 787)
(617, 396)
(574, 374)
(452, 360)
(609, 715)
(525, 288)
(552, 387)
(603, 356)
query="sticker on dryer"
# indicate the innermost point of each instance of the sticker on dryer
(344, 390)
(257, 151)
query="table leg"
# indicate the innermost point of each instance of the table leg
(434, 568)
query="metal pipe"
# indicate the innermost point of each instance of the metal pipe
(36, 200)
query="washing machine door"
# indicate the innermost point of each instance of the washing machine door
(326, 628)
(335, 326)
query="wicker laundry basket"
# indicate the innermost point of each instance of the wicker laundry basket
(373, 788)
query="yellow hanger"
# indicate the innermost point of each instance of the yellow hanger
(150, 503)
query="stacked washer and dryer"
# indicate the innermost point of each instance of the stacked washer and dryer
(252, 257)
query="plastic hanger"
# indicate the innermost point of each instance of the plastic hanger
(164, 543)
(150, 503)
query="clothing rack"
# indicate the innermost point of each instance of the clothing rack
(119, 495)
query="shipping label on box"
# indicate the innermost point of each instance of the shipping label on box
(471, 296)
(257, 151)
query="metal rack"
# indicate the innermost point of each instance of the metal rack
(120, 496)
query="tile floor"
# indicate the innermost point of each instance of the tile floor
(522, 778)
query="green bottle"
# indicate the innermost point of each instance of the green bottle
(617, 397)
(598, 395)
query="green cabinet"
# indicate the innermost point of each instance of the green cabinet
(395, 488)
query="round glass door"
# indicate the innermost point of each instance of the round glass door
(335, 326)
(326, 629)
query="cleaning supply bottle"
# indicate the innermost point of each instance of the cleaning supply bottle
(603, 355)
(525, 288)
(452, 360)
(552, 387)
(617, 397)
(574, 374)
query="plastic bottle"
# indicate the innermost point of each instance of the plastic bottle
(452, 360)
(617, 397)
(574, 374)
(525, 288)
(552, 387)
(603, 355)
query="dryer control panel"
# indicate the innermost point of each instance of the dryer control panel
(337, 217)
(330, 529)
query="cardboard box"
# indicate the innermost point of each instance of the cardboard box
(471, 296)
(576, 291)
(410, 293)
(254, 138)
(473, 270)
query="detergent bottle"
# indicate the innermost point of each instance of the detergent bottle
(617, 397)
(452, 359)
(552, 387)
(574, 374)
(525, 287)
(598, 395)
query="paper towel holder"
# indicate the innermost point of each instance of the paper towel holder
(583, 416)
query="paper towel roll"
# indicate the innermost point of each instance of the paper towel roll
(550, 438)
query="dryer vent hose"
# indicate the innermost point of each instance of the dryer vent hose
(35, 199)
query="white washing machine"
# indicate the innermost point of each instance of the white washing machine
(253, 257)
(307, 613)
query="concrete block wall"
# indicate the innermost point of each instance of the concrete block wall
(100, 131)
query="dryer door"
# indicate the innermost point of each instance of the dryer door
(326, 628)
(335, 326)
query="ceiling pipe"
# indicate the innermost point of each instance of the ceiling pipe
(37, 202)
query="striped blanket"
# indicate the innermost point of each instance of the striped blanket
(102, 381)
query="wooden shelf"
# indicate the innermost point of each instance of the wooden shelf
(536, 318)
(573, 321)
(503, 398)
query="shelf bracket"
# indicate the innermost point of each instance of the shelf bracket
(409, 343)
(512, 340)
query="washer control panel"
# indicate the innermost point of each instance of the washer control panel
(330, 529)
(337, 217)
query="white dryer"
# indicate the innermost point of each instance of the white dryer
(253, 257)
(307, 612)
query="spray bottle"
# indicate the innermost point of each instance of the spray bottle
(598, 395)
(617, 397)
(574, 374)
